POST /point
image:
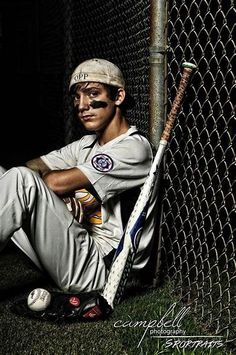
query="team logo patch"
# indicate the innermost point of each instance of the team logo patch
(102, 162)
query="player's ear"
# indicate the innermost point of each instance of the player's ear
(120, 96)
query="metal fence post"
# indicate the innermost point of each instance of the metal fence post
(157, 67)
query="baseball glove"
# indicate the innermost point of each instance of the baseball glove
(75, 207)
(63, 307)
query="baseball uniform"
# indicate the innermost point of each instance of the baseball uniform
(41, 225)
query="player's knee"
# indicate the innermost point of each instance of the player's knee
(25, 170)
(2, 170)
(22, 173)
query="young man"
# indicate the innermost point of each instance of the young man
(64, 208)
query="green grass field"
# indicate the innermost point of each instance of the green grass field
(133, 328)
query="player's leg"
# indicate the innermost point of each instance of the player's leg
(2, 170)
(64, 248)
(21, 236)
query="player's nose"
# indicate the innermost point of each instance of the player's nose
(82, 103)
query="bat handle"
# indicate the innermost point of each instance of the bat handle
(175, 108)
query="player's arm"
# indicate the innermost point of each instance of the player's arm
(38, 165)
(63, 182)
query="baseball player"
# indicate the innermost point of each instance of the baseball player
(64, 209)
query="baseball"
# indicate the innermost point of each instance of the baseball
(39, 299)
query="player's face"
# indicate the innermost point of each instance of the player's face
(94, 107)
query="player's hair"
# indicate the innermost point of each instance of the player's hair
(128, 102)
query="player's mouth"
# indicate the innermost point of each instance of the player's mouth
(87, 117)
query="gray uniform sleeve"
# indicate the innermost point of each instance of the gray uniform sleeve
(114, 169)
(63, 158)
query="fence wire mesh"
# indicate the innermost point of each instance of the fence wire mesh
(198, 225)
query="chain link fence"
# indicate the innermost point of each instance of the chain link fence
(199, 215)
(198, 219)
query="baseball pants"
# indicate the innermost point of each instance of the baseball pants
(39, 223)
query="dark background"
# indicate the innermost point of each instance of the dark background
(31, 75)
(41, 43)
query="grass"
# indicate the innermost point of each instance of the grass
(124, 333)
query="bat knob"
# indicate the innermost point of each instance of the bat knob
(189, 65)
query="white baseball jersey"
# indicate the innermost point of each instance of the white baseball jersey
(76, 255)
(113, 168)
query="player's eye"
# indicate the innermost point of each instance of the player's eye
(93, 93)
(76, 98)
